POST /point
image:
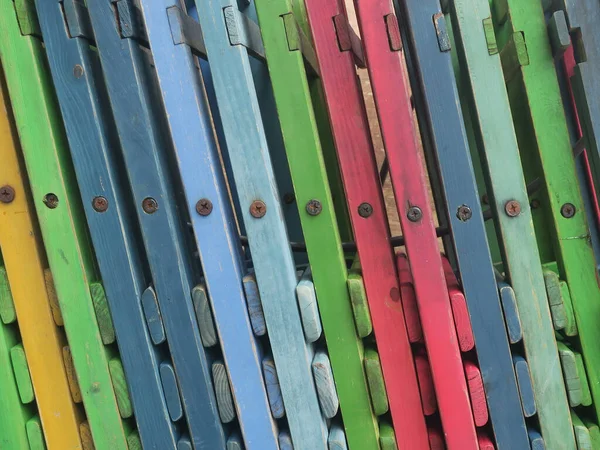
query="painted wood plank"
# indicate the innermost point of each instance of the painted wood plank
(328, 397)
(252, 110)
(234, 443)
(387, 438)
(35, 434)
(409, 300)
(133, 441)
(436, 440)
(273, 388)
(390, 91)
(119, 382)
(20, 242)
(594, 431)
(21, 372)
(582, 434)
(185, 444)
(536, 440)
(336, 439)
(223, 393)
(427, 389)
(571, 325)
(105, 324)
(485, 443)
(54, 305)
(546, 153)
(511, 312)
(367, 214)
(315, 204)
(373, 370)
(206, 322)
(192, 141)
(96, 160)
(153, 317)
(569, 368)
(360, 307)
(525, 387)
(460, 312)
(71, 374)
(255, 309)
(586, 395)
(309, 309)
(481, 85)
(171, 391)
(477, 394)
(87, 442)
(557, 307)
(285, 441)
(8, 313)
(56, 202)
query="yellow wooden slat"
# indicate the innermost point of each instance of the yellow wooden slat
(23, 257)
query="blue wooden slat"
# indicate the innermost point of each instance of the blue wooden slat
(441, 121)
(337, 439)
(130, 82)
(169, 382)
(248, 115)
(511, 313)
(525, 388)
(216, 235)
(273, 388)
(94, 152)
(153, 318)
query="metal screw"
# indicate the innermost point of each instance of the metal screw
(568, 210)
(365, 210)
(289, 198)
(535, 203)
(100, 204)
(7, 194)
(258, 209)
(314, 207)
(414, 214)
(51, 200)
(512, 208)
(204, 207)
(464, 213)
(78, 71)
(149, 205)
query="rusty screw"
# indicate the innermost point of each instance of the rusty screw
(464, 213)
(568, 210)
(414, 214)
(365, 210)
(78, 71)
(314, 207)
(204, 207)
(512, 208)
(7, 194)
(149, 205)
(51, 200)
(100, 204)
(258, 209)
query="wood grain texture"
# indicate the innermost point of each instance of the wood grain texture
(460, 312)
(273, 388)
(63, 227)
(407, 172)
(323, 375)
(255, 309)
(119, 382)
(360, 306)
(569, 368)
(193, 146)
(20, 243)
(361, 183)
(546, 152)
(309, 309)
(95, 156)
(373, 370)
(307, 167)
(105, 324)
(206, 322)
(256, 152)
(223, 392)
(525, 387)
(477, 393)
(555, 300)
(53, 298)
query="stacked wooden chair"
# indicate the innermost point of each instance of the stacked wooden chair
(196, 249)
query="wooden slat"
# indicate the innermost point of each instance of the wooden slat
(328, 398)
(273, 388)
(409, 300)
(525, 387)
(428, 398)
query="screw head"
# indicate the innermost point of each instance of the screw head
(512, 208)
(204, 207)
(464, 213)
(7, 194)
(414, 214)
(149, 205)
(78, 71)
(289, 198)
(568, 210)
(51, 200)
(100, 204)
(365, 210)
(258, 209)
(314, 207)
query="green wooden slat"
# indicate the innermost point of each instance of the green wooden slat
(305, 158)
(35, 435)
(60, 214)
(7, 307)
(546, 154)
(22, 376)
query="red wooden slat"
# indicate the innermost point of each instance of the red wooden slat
(485, 443)
(409, 300)
(477, 393)
(436, 440)
(462, 320)
(408, 177)
(359, 172)
(425, 383)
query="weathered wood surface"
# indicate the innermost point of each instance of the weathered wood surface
(367, 210)
(94, 151)
(511, 313)
(20, 243)
(61, 218)
(447, 149)
(525, 387)
(323, 375)
(546, 153)
(336, 439)
(409, 300)
(313, 196)
(273, 388)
